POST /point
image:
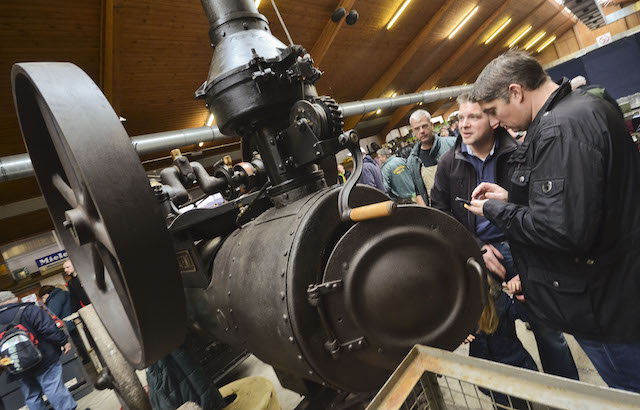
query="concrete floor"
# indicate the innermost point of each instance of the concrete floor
(106, 400)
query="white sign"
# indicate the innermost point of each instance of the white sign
(603, 40)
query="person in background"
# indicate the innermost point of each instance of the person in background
(343, 174)
(426, 153)
(454, 126)
(79, 297)
(444, 131)
(580, 83)
(58, 301)
(571, 214)
(481, 154)
(371, 174)
(396, 178)
(46, 376)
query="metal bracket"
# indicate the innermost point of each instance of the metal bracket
(356, 344)
(315, 292)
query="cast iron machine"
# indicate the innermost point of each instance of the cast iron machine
(330, 285)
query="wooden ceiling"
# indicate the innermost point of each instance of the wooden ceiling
(149, 56)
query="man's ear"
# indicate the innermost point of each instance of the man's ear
(516, 93)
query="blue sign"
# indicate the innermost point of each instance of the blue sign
(49, 259)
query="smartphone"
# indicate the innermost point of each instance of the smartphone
(464, 201)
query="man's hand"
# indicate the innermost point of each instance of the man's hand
(491, 256)
(66, 348)
(487, 190)
(476, 206)
(514, 287)
(420, 201)
(469, 339)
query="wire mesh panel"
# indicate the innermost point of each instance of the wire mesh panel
(434, 379)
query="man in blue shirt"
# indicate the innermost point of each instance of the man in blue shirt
(480, 155)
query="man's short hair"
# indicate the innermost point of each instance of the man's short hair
(45, 290)
(512, 67)
(384, 151)
(462, 98)
(417, 114)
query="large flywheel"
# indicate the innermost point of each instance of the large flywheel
(103, 207)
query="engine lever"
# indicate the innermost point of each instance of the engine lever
(362, 213)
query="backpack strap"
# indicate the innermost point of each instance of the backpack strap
(18, 317)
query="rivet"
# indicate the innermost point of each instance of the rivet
(233, 259)
(556, 284)
(228, 293)
(291, 339)
(299, 357)
(350, 346)
(283, 272)
(310, 372)
(521, 179)
(291, 233)
(345, 266)
(285, 318)
(229, 276)
(282, 295)
(286, 253)
(236, 327)
(226, 329)
(380, 350)
(590, 261)
(245, 25)
(324, 384)
(359, 342)
(286, 196)
(224, 34)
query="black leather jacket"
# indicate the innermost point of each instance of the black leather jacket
(573, 219)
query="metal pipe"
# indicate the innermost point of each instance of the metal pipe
(19, 166)
(361, 107)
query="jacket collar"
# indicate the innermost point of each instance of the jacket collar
(554, 98)
(520, 155)
(434, 149)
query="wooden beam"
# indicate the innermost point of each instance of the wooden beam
(578, 38)
(108, 56)
(398, 64)
(433, 79)
(329, 32)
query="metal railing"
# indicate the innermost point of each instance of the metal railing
(430, 378)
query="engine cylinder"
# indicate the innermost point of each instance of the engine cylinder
(398, 281)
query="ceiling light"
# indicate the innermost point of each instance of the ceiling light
(535, 40)
(513, 43)
(201, 144)
(257, 3)
(463, 22)
(506, 23)
(398, 13)
(546, 43)
(379, 111)
(210, 120)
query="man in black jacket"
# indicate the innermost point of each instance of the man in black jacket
(571, 214)
(46, 376)
(480, 155)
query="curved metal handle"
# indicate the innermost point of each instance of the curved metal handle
(345, 191)
(477, 267)
(373, 211)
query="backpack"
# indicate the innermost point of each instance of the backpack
(18, 347)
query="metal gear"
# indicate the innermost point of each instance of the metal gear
(335, 121)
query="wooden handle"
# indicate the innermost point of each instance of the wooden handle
(373, 211)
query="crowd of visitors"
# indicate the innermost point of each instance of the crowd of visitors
(553, 179)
